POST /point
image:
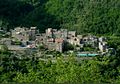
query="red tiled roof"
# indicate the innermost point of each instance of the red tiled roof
(59, 40)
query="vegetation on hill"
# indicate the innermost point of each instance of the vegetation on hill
(104, 69)
(85, 16)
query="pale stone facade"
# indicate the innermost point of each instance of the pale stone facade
(102, 46)
(74, 41)
(32, 33)
(20, 34)
(54, 39)
(24, 34)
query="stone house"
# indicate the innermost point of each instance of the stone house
(59, 44)
(6, 41)
(64, 33)
(71, 34)
(56, 44)
(21, 34)
(92, 40)
(41, 38)
(59, 47)
(55, 39)
(57, 34)
(60, 34)
(86, 40)
(24, 34)
(74, 41)
(50, 45)
(102, 46)
(102, 39)
(79, 36)
(32, 33)
(49, 32)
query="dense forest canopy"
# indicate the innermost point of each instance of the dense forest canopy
(90, 16)
(96, 16)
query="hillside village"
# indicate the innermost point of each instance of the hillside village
(60, 41)
(22, 38)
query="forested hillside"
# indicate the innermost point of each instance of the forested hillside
(97, 16)
(25, 13)
(94, 16)
(19, 68)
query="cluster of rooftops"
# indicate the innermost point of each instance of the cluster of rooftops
(52, 39)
